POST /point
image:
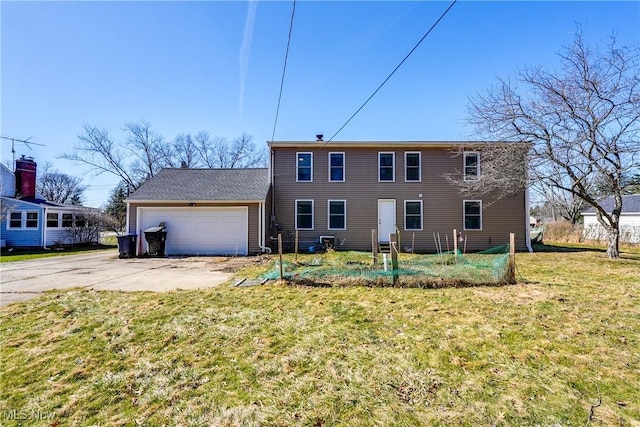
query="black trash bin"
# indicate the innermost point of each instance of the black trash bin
(127, 245)
(156, 238)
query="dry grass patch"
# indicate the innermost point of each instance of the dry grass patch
(543, 352)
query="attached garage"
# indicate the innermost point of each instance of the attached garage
(205, 211)
(200, 230)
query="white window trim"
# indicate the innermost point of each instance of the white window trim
(393, 164)
(329, 213)
(421, 215)
(344, 169)
(26, 219)
(464, 214)
(298, 163)
(61, 219)
(58, 213)
(295, 207)
(22, 219)
(464, 165)
(419, 166)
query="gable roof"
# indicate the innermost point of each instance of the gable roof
(205, 184)
(630, 204)
(385, 144)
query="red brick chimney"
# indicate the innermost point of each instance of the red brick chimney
(26, 177)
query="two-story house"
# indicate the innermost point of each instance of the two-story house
(347, 188)
(28, 220)
(338, 190)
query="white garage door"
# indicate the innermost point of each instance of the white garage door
(200, 231)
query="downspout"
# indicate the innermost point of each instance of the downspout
(527, 225)
(261, 221)
(44, 228)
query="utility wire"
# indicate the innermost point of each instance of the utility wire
(393, 72)
(284, 70)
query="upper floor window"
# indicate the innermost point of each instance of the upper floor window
(304, 167)
(386, 170)
(412, 167)
(336, 167)
(472, 215)
(15, 220)
(304, 214)
(337, 215)
(471, 166)
(52, 219)
(413, 215)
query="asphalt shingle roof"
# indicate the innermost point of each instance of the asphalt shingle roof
(630, 204)
(205, 184)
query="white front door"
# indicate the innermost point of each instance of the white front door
(386, 218)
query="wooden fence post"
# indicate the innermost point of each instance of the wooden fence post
(455, 243)
(280, 252)
(511, 274)
(393, 242)
(374, 245)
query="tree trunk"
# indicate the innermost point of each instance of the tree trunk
(613, 250)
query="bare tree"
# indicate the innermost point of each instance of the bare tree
(581, 122)
(87, 225)
(144, 152)
(101, 153)
(146, 146)
(59, 187)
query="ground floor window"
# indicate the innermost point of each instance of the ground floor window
(15, 220)
(32, 220)
(67, 220)
(304, 214)
(337, 214)
(473, 215)
(52, 219)
(413, 215)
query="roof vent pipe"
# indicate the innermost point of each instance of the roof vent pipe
(319, 137)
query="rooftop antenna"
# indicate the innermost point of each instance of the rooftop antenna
(13, 147)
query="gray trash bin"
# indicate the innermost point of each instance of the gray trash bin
(156, 238)
(127, 245)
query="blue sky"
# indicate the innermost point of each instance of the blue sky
(216, 66)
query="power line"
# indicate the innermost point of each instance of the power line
(393, 72)
(284, 69)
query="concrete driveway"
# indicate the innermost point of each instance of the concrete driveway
(103, 270)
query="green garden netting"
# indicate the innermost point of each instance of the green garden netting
(343, 268)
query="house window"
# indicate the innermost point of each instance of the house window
(304, 167)
(471, 166)
(336, 167)
(304, 214)
(81, 221)
(337, 214)
(52, 219)
(413, 215)
(412, 167)
(15, 220)
(472, 215)
(67, 220)
(386, 171)
(32, 220)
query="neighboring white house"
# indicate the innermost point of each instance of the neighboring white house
(629, 220)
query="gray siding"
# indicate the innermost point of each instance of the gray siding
(442, 205)
(254, 212)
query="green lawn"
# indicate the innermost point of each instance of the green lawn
(20, 254)
(560, 348)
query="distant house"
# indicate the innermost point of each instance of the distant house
(28, 220)
(206, 211)
(629, 220)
